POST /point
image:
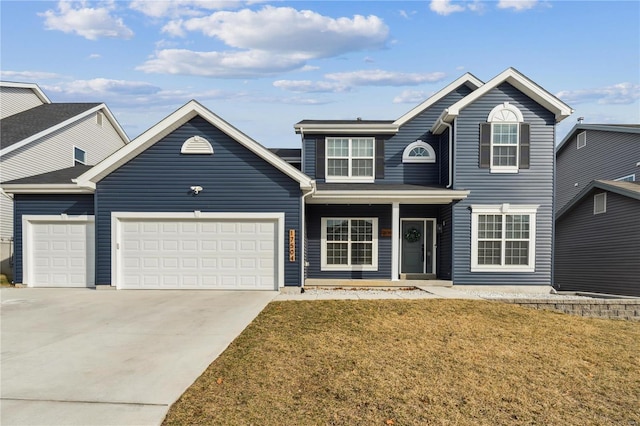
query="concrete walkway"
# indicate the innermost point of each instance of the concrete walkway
(86, 357)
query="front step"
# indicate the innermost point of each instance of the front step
(333, 283)
(418, 277)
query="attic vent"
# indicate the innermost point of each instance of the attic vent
(196, 145)
(582, 140)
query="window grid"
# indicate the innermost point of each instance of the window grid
(349, 242)
(503, 239)
(350, 157)
(504, 139)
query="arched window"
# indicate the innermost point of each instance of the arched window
(419, 152)
(504, 140)
(196, 145)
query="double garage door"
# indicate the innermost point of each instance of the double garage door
(187, 251)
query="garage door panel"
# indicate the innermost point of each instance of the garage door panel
(198, 253)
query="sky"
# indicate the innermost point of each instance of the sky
(265, 65)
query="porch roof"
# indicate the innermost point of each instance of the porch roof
(376, 193)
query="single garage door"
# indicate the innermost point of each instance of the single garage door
(198, 253)
(59, 252)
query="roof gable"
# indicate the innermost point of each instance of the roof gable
(517, 80)
(618, 128)
(170, 124)
(627, 189)
(34, 88)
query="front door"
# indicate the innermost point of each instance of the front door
(417, 246)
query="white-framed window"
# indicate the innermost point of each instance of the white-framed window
(350, 159)
(349, 244)
(600, 203)
(503, 238)
(505, 122)
(628, 178)
(79, 156)
(419, 152)
(581, 140)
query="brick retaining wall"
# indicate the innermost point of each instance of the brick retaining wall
(594, 308)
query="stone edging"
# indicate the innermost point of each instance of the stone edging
(594, 308)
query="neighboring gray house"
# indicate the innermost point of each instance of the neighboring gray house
(39, 136)
(459, 188)
(598, 210)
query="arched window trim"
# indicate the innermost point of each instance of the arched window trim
(406, 158)
(196, 145)
(505, 112)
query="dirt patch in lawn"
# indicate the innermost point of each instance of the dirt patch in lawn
(448, 362)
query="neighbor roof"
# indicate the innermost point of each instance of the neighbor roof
(624, 188)
(620, 128)
(26, 124)
(34, 87)
(56, 177)
(56, 182)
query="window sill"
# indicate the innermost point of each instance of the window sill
(349, 268)
(505, 170)
(503, 269)
(349, 180)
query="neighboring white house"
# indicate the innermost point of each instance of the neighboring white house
(39, 136)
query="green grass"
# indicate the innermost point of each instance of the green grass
(4, 282)
(444, 362)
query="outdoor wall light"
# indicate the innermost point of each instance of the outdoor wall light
(196, 189)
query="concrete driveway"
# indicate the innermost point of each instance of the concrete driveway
(87, 357)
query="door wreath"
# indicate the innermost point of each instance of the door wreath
(412, 235)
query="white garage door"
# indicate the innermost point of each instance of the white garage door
(225, 254)
(60, 254)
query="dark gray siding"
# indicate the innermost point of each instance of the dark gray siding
(23, 204)
(528, 186)
(608, 155)
(314, 215)
(417, 128)
(233, 180)
(599, 253)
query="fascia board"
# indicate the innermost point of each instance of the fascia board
(51, 129)
(114, 122)
(66, 188)
(467, 78)
(385, 196)
(36, 89)
(347, 128)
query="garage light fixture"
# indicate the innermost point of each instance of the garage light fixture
(196, 189)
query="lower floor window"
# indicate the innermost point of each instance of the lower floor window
(503, 238)
(349, 243)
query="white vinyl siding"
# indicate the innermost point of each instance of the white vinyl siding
(17, 99)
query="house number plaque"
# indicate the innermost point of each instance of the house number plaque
(292, 245)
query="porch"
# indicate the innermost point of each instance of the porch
(374, 283)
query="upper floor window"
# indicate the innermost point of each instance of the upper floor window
(350, 159)
(629, 178)
(79, 156)
(419, 152)
(581, 140)
(504, 140)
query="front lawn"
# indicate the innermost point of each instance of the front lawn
(387, 362)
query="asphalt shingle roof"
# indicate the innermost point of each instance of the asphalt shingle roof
(23, 125)
(55, 177)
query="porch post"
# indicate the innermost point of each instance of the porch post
(395, 241)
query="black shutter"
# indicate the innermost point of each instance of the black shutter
(320, 157)
(485, 145)
(525, 145)
(379, 158)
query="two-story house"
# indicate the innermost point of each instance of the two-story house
(38, 136)
(598, 210)
(460, 188)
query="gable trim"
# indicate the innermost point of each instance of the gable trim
(517, 80)
(34, 87)
(600, 127)
(99, 108)
(626, 189)
(172, 122)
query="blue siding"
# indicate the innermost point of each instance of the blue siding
(599, 253)
(528, 186)
(27, 204)
(233, 180)
(314, 215)
(417, 128)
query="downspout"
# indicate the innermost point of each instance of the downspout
(448, 126)
(303, 229)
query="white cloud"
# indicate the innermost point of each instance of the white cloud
(253, 63)
(617, 94)
(410, 96)
(517, 5)
(266, 41)
(384, 78)
(175, 8)
(95, 56)
(27, 76)
(445, 7)
(90, 23)
(307, 86)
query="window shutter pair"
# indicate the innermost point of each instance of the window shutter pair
(321, 157)
(485, 145)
